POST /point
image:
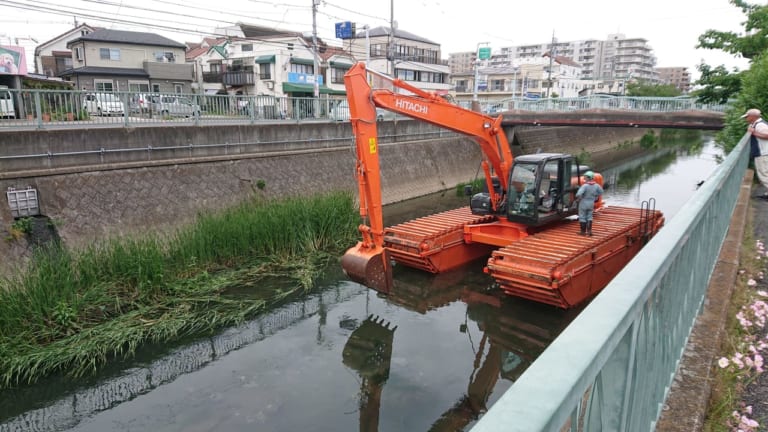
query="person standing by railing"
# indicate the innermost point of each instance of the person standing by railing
(758, 140)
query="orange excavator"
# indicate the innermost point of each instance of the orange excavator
(522, 220)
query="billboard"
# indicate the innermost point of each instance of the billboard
(12, 60)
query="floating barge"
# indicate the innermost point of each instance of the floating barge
(552, 264)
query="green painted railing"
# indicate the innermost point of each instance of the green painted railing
(612, 368)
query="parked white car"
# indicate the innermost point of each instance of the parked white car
(340, 111)
(142, 102)
(103, 104)
(7, 108)
(175, 106)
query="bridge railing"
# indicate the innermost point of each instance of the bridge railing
(603, 102)
(612, 368)
(45, 109)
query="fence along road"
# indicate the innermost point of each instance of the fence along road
(46, 109)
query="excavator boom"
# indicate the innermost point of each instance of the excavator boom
(368, 261)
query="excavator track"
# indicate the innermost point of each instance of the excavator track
(562, 268)
(435, 243)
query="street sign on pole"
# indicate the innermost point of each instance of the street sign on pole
(345, 30)
(484, 53)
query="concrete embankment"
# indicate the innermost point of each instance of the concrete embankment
(102, 182)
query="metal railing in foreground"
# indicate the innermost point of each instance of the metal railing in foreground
(612, 368)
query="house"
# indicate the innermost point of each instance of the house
(403, 55)
(53, 57)
(119, 60)
(261, 61)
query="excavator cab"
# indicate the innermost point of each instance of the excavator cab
(542, 188)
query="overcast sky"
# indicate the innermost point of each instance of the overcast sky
(670, 26)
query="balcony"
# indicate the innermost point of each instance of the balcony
(212, 77)
(239, 78)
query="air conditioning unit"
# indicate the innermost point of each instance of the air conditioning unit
(270, 84)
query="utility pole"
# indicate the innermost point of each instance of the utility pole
(316, 70)
(552, 54)
(314, 47)
(392, 38)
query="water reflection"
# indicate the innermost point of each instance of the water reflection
(505, 336)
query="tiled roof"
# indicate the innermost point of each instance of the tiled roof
(129, 37)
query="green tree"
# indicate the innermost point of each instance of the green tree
(652, 90)
(749, 45)
(753, 94)
(720, 84)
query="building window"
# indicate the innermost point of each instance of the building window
(497, 85)
(337, 75)
(155, 88)
(265, 71)
(247, 47)
(79, 53)
(178, 88)
(302, 69)
(103, 85)
(109, 54)
(138, 86)
(165, 56)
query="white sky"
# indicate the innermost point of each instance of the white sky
(671, 27)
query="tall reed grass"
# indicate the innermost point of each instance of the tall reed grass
(71, 311)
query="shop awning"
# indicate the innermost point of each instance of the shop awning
(301, 61)
(265, 59)
(309, 88)
(339, 65)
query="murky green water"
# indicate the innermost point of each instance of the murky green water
(433, 356)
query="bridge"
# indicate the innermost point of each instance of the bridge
(689, 119)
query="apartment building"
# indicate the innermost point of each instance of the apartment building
(676, 76)
(615, 58)
(415, 59)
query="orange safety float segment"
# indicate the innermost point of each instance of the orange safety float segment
(559, 267)
(435, 243)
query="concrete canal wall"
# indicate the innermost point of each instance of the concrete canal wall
(156, 179)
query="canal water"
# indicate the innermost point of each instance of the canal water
(433, 356)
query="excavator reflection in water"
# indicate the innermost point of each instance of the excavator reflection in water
(513, 335)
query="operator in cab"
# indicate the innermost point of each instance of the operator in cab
(586, 196)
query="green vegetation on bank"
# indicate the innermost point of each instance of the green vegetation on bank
(72, 311)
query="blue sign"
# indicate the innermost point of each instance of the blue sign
(345, 30)
(300, 78)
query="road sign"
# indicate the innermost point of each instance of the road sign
(345, 30)
(484, 53)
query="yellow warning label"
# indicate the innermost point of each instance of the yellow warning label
(372, 145)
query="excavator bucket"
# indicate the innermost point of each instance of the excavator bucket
(369, 266)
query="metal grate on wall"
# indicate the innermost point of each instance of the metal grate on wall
(23, 202)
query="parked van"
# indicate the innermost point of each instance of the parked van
(103, 104)
(7, 108)
(175, 106)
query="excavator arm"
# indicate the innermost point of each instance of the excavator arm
(368, 262)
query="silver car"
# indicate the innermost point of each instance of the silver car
(175, 106)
